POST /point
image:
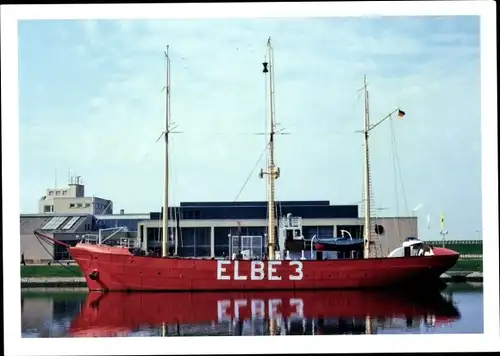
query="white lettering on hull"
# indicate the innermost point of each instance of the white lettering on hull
(292, 308)
(221, 270)
(237, 277)
(258, 272)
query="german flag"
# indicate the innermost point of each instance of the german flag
(401, 113)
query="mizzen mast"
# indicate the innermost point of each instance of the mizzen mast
(273, 172)
(367, 175)
(164, 241)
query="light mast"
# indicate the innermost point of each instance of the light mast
(273, 172)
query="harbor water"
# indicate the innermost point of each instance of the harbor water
(54, 313)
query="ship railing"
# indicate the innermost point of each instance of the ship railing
(250, 246)
(295, 221)
(89, 239)
(129, 243)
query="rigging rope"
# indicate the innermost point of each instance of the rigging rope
(251, 173)
(397, 169)
(394, 165)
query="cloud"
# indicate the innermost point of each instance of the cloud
(105, 109)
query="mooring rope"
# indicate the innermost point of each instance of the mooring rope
(54, 242)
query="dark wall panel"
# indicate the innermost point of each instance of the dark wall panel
(258, 210)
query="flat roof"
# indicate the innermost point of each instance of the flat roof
(139, 216)
(48, 215)
(255, 203)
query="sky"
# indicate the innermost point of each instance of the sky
(90, 102)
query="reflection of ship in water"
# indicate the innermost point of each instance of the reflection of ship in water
(258, 313)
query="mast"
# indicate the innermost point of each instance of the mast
(367, 176)
(366, 183)
(272, 171)
(164, 241)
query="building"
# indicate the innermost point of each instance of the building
(73, 200)
(203, 229)
(64, 227)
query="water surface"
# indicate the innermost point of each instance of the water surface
(78, 313)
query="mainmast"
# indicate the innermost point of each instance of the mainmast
(272, 171)
(164, 241)
(367, 186)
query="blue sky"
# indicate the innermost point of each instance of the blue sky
(90, 101)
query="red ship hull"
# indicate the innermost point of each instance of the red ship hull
(115, 268)
(108, 314)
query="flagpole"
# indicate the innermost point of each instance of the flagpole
(443, 232)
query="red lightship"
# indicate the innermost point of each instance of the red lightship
(285, 266)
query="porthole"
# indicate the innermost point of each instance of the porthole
(379, 229)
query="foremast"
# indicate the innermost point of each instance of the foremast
(164, 240)
(273, 172)
(366, 177)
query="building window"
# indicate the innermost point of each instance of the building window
(319, 231)
(153, 235)
(61, 253)
(71, 205)
(51, 193)
(194, 242)
(58, 192)
(221, 240)
(78, 205)
(356, 231)
(48, 208)
(87, 205)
